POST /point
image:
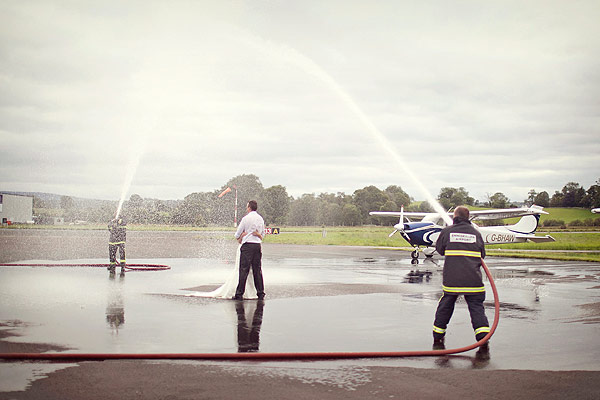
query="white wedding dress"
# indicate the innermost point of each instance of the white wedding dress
(227, 290)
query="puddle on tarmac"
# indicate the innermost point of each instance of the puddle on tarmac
(312, 305)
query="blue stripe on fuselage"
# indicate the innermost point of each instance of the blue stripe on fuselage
(419, 233)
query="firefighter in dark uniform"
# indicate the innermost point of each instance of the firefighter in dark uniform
(463, 248)
(118, 231)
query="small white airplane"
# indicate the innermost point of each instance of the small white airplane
(425, 233)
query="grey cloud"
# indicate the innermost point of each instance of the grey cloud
(213, 90)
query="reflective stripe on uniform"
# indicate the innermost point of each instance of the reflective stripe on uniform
(451, 289)
(464, 253)
(438, 330)
(115, 243)
(483, 329)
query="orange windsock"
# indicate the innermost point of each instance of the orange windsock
(224, 192)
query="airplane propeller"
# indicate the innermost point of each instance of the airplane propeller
(400, 225)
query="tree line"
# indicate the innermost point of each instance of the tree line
(279, 208)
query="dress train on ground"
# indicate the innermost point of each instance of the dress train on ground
(227, 290)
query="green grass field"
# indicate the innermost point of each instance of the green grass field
(568, 214)
(568, 245)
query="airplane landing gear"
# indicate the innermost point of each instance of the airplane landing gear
(415, 254)
(429, 252)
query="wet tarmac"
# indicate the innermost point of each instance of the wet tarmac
(319, 299)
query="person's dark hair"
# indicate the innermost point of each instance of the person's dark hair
(253, 205)
(462, 212)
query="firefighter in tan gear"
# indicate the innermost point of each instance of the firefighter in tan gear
(118, 231)
(463, 248)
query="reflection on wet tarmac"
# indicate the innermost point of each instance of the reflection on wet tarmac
(115, 310)
(417, 275)
(479, 361)
(248, 334)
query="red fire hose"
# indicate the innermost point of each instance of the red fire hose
(260, 356)
(129, 267)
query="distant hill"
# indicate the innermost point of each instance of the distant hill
(52, 200)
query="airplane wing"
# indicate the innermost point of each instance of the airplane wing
(499, 213)
(398, 214)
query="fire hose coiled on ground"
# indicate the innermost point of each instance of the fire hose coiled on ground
(129, 267)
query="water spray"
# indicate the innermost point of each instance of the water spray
(134, 162)
(309, 66)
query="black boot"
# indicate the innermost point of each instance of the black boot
(484, 352)
(438, 344)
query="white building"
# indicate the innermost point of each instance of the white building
(15, 209)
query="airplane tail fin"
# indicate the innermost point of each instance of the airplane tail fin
(527, 224)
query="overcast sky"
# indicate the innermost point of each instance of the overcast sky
(317, 96)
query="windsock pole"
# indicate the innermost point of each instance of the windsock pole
(223, 193)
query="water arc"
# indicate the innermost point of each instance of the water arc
(309, 66)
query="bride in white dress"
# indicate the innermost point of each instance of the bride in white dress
(227, 290)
